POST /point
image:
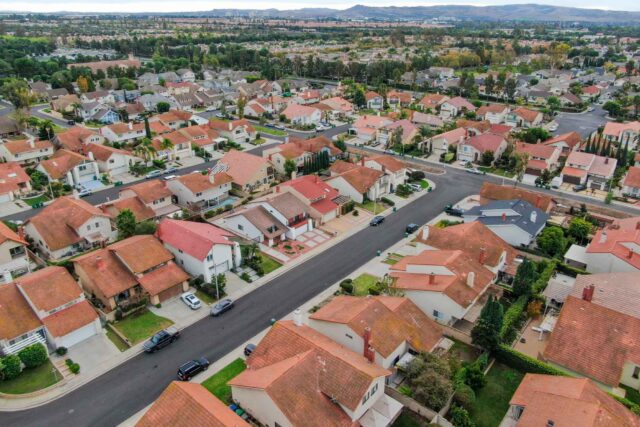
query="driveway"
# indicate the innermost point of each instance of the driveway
(92, 353)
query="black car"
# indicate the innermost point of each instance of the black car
(450, 210)
(579, 187)
(376, 221)
(192, 368)
(161, 340)
(222, 306)
(71, 122)
(412, 228)
(249, 349)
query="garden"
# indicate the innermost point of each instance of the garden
(217, 383)
(28, 371)
(141, 325)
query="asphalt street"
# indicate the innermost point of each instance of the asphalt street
(583, 123)
(123, 391)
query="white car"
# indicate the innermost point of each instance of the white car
(553, 127)
(590, 109)
(415, 187)
(210, 108)
(463, 162)
(169, 177)
(191, 300)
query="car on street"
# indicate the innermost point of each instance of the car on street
(415, 187)
(450, 210)
(475, 171)
(169, 177)
(154, 174)
(220, 115)
(210, 109)
(376, 220)
(279, 127)
(191, 300)
(248, 349)
(84, 192)
(192, 368)
(412, 228)
(71, 122)
(579, 187)
(170, 170)
(221, 306)
(553, 127)
(463, 162)
(161, 340)
(590, 109)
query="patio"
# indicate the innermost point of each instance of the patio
(532, 342)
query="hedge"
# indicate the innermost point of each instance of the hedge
(570, 271)
(12, 367)
(540, 284)
(387, 201)
(524, 363)
(512, 318)
(33, 356)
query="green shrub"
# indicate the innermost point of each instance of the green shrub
(524, 363)
(33, 356)
(12, 367)
(474, 377)
(75, 368)
(387, 201)
(355, 212)
(245, 276)
(633, 407)
(540, 284)
(569, 270)
(347, 286)
(459, 417)
(61, 351)
(464, 396)
(512, 319)
(209, 214)
(405, 390)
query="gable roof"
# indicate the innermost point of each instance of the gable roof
(360, 178)
(19, 146)
(148, 191)
(632, 178)
(7, 234)
(485, 142)
(193, 238)
(621, 239)
(140, 210)
(141, 253)
(197, 182)
(242, 167)
(491, 191)
(617, 291)
(73, 138)
(262, 219)
(104, 152)
(49, 288)
(515, 212)
(526, 114)
(62, 162)
(390, 163)
(11, 176)
(16, 316)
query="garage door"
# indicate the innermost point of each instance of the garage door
(222, 267)
(5, 197)
(78, 335)
(170, 293)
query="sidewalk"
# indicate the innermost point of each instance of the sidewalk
(62, 388)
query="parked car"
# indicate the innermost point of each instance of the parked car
(220, 115)
(412, 228)
(192, 368)
(279, 127)
(590, 109)
(71, 122)
(161, 340)
(191, 300)
(376, 220)
(450, 210)
(415, 187)
(210, 108)
(463, 162)
(475, 171)
(248, 349)
(553, 127)
(169, 177)
(222, 306)
(579, 187)
(84, 192)
(154, 174)
(170, 170)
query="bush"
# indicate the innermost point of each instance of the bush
(355, 212)
(417, 175)
(12, 367)
(474, 377)
(387, 201)
(209, 214)
(245, 276)
(540, 284)
(75, 368)
(33, 356)
(464, 396)
(512, 319)
(61, 351)
(432, 389)
(524, 363)
(347, 286)
(118, 315)
(570, 271)
(459, 417)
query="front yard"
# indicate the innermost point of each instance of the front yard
(374, 208)
(31, 380)
(268, 264)
(363, 282)
(138, 327)
(492, 401)
(217, 383)
(32, 201)
(497, 171)
(269, 131)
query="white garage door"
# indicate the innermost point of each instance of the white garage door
(222, 267)
(5, 197)
(78, 335)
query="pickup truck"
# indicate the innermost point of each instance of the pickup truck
(161, 340)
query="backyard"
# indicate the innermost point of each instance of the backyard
(217, 383)
(31, 380)
(138, 327)
(409, 419)
(362, 283)
(492, 401)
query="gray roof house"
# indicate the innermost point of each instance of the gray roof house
(516, 221)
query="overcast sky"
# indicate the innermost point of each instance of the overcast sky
(197, 5)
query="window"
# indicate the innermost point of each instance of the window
(17, 252)
(240, 227)
(97, 225)
(180, 250)
(636, 372)
(89, 227)
(210, 257)
(436, 314)
(82, 168)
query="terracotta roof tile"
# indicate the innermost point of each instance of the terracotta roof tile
(16, 316)
(8, 234)
(632, 179)
(105, 272)
(197, 182)
(71, 318)
(49, 288)
(141, 253)
(62, 162)
(491, 191)
(11, 177)
(148, 191)
(23, 146)
(141, 211)
(194, 238)
(163, 278)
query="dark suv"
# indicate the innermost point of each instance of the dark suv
(192, 368)
(161, 340)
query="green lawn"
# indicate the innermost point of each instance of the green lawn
(31, 380)
(410, 419)
(269, 264)
(35, 200)
(393, 258)
(269, 131)
(139, 327)
(116, 340)
(424, 184)
(496, 171)
(374, 208)
(492, 401)
(258, 141)
(205, 298)
(632, 395)
(217, 383)
(363, 282)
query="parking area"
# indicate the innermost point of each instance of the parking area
(177, 311)
(91, 353)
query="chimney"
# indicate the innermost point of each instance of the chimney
(277, 188)
(297, 317)
(638, 225)
(6, 275)
(362, 161)
(21, 232)
(630, 253)
(533, 216)
(504, 216)
(368, 351)
(432, 278)
(32, 143)
(90, 154)
(130, 125)
(587, 293)
(471, 277)
(100, 263)
(606, 160)
(482, 258)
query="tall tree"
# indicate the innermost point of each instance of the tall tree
(126, 224)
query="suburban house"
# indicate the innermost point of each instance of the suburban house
(366, 127)
(201, 249)
(174, 146)
(154, 194)
(553, 400)
(631, 182)
(46, 307)
(472, 149)
(77, 138)
(455, 106)
(524, 118)
(68, 226)
(200, 192)
(444, 284)
(540, 157)
(173, 119)
(140, 210)
(323, 201)
(394, 327)
(569, 100)
(26, 151)
(14, 259)
(612, 249)
(339, 107)
(389, 165)
(184, 404)
(440, 143)
(589, 169)
(567, 142)
(129, 270)
(494, 113)
(111, 161)
(622, 132)
(307, 97)
(249, 172)
(515, 221)
(408, 131)
(14, 181)
(374, 100)
(302, 115)
(70, 168)
(236, 130)
(432, 101)
(330, 384)
(431, 121)
(590, 93)
(491, 192)
(593, 334)
(358, 182)
(475, 239)
(255, 223)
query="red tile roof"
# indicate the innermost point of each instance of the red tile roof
(491, 191)
(485, 142)
(16, 316)
(571, 139)
(360, 178)
(141, 253)
(8, 234)
(243, 167)
(163, 278)
(49, 288)
(62, 162)
(620, 240)
(70, 319)
(148, 191)
(11, 176)
(194, 238)
(632, 179)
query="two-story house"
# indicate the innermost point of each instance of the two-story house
(26, 151)
(77, 138)
(394, 168)
(494, 113)
(472, 149)
(358, 182)
(524, 118)
(111, 161)
(455, 106)
(374, 100)
(154, 194)
(249, 172)
(540, 157)
(71, 168)
(14, 181)
(236, 130)
(200, 192)
(323, 201)
(14, 259)
(589, 169)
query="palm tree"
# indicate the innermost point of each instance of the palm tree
(145, 149)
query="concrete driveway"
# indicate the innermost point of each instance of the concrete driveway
(90, 354)
(178, 312)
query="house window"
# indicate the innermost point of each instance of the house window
(436, 314)
(636, 372)
(240, 227)
(82, 168)
(210, 257)
(89, 227)
(180, 250)
(198, 194)
(97, 225)
(17, 252)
